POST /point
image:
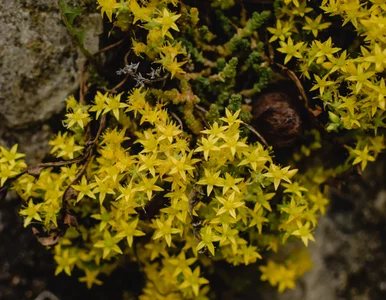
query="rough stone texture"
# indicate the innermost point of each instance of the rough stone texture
(39, 68)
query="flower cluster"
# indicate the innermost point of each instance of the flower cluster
(349, 82)
(215, 196)
(283, 275)
(155, 17)
(11, 163)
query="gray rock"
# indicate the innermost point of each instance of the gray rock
(40, 67)
(39, 64)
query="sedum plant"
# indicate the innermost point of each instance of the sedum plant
(348, 82)
(169, 168)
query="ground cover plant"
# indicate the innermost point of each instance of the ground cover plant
(206, 132)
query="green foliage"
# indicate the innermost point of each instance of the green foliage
(168, 173)
(226, 4)
(69, 14)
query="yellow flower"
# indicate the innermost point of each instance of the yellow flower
(304, 233)
(84, 189)
(32, 212)
(208, 145)
(79, 117)
(165, 230)
(278, 174)
(211, 179)
(129, 230)
(138, 47)
(362, 156)
(378, 58)
(295, 2)
(90, 278)
(167, 20)
(171, 64)
(108, 7)
(314, 25)
(168, 132)
(182, 165)
(109, 244)
(361, 77)
(282, 31)
(69, 148)
(141, 13)
(233, 144)
(113, 103)
(291, 49)
(193, 281)
(148, 186)
(229, 204)
(181, 264)
(65, 262)
(207, 239)
(10, 156)
(100, 103)
(321, 84)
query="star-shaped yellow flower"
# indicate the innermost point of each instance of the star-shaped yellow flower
(167, 20)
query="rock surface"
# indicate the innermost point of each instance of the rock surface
(40, 67)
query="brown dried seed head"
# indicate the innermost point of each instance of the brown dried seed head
(277, 119)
